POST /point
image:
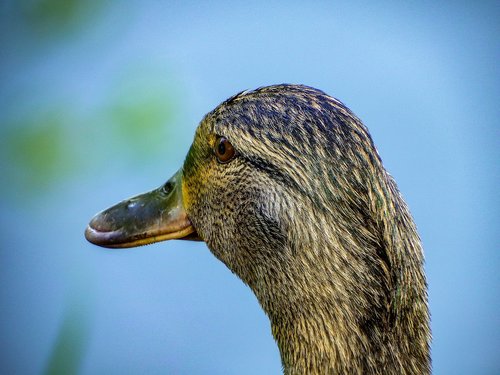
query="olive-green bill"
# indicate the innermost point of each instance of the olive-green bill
(155, 216)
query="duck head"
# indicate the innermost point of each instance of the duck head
(262, 184)
(286, 188)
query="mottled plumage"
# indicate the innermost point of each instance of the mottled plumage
(307, 216)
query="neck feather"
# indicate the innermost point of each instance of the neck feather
(344, 307)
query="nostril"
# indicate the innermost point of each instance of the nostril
(168, 187)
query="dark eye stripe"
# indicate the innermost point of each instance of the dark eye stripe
(274, 172)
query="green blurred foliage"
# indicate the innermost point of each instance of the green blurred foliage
(45, 135)
(71, 342)
(45, 144)
(37, 149)
(57, 17)
(140, 106)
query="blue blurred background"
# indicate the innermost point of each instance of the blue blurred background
(100, 100)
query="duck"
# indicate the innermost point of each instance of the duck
(285, 186)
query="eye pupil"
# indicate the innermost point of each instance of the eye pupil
(224, 150)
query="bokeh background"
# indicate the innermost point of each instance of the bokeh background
(100, 100)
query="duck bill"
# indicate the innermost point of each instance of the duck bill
(147, 218)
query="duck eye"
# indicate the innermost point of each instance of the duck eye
(224, 150)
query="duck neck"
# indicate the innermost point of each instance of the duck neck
(338, 316)
(314, 344)
(337, 336)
